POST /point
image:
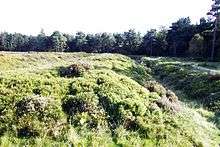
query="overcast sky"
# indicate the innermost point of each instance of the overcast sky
(29, 16)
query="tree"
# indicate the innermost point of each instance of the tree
(149, 40)
(181, 33)
(69, 38)
(80, 41)
(161, 38)
(133, 41)
(3, 41)
(59, 42)
(214, 12)
(93, 43)
(42, 42)
(8, 41)
(179, 36)
(33, 43)
(119, 42)
(107, 42)
(196, 46)
(154, 42)
(20, 42)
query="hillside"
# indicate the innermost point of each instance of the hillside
(79, 99)
(197, 82)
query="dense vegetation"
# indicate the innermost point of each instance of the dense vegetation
(182, 39)
(92, 99)
(197, 81)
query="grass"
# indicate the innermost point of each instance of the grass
(114, 102)
(199, 87)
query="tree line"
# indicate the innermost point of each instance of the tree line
(181, 39)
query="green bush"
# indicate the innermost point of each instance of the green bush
(107, 105)
(37, 116)
(196, 85)
(196, 46)
(74, 70)
(213, 102)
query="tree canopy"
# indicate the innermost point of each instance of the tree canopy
(181, 39)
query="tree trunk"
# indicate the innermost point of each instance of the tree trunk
(151, 48)
(174, 49)
(214, 39)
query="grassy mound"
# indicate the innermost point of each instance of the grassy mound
(114, 103)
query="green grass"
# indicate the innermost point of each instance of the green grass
(198, 86)
(115, 102)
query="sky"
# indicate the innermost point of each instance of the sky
(93, 16)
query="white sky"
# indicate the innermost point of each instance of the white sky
(29, 16)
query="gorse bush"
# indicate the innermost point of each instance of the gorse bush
(213, 101)
(37, 116)
(168, 99)
(42, 107)
(116, 102)
(74, 70)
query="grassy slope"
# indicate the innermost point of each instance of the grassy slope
(109, 104)
(195, 80)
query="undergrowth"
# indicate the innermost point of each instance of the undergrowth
(92, 100)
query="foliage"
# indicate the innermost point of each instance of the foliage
(196, 46)
(105, 106)
(214, 12)
(197, 85)
(58, 41)
(182, 32)
(74, 70)
(154, 42)
(178, 40)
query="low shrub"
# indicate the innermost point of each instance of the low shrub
(213, 102)
(37, 115)
(102, 106)
(197, 85)
(74, 70)
(154, 86)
